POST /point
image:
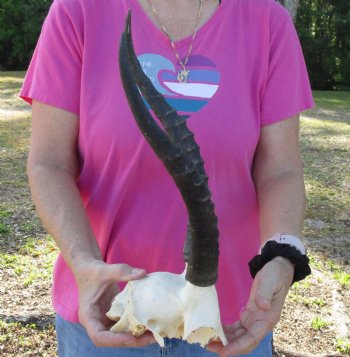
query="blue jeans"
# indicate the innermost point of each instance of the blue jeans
(73, 341)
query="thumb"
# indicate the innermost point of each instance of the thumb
(264, 292)
(125, 272)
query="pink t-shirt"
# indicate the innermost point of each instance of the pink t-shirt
(246, 71)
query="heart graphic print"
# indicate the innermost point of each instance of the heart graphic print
(187, 98)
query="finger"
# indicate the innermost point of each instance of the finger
(231, 337)
(242, 345)
(238, 333)
(101, 337)
(143, 340)
(237, 325)
(234, 331)
(229, 328)
(249, 340)
(124, 272)
(214, 347)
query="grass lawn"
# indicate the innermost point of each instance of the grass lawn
(316, 317)
(332, 100)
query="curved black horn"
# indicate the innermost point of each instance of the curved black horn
(180, 154)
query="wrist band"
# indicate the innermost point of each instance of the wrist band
(287, 239)
(272, 249)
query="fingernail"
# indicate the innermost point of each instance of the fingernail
(136, 271)
(212, 347)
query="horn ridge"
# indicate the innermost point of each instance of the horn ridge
(182, 160)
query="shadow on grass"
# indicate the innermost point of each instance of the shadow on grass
(39, 322)
(12, 75)
(332, 99)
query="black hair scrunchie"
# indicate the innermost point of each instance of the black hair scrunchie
(273, 249)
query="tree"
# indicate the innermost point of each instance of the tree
(20, 24)
(324, 27)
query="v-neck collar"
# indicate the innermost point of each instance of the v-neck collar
(161, 36)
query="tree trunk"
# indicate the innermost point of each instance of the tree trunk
(291, 6)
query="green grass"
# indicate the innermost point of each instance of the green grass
(314, 263)
(33, 262)
(29, 340)
(319, 323)
(333, 269)
(339, 274)
(4, 229)
(12, 75)
(332, 100)
(14, 136)
(343, 346)
(307, 301)
(10, 84)
(35, 247)
(4, 213)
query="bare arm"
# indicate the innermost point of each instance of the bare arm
(52, 170)
(278, 176)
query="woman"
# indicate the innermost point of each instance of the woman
(236, 73)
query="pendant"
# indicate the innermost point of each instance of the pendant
(182, 76)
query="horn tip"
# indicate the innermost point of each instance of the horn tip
(128, 23)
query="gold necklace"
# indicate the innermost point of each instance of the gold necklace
(184, 73)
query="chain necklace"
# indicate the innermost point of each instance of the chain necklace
(183, 73)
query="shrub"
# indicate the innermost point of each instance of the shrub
(20, 25)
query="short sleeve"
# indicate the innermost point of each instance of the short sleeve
(54, 74)
(287, 89)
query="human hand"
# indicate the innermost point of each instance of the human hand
(263, 311)
(97, 287)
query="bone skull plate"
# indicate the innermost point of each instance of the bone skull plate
(168, 306)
